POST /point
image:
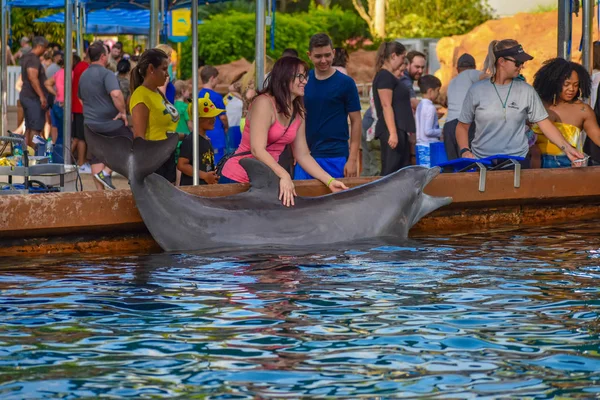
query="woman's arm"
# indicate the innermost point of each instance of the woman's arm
(385, 97)
(50, 86)
(261, 118)
(554, 135)
(462, 139)
(308, 163)
(139, 118)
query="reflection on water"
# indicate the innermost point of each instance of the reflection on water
(513, 313)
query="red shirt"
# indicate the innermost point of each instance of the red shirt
(79, 69)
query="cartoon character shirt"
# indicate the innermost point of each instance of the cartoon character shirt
(163, 115)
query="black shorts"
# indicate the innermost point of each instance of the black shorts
(78, 127)
(122, 131)
(35, 116)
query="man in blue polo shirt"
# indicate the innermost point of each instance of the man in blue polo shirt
(330, 97)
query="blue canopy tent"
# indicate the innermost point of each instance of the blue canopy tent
(112, 21)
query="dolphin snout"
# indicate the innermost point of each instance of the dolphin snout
(432, 173)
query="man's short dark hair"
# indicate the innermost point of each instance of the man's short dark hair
(39, 41)
(290, 53)
(96, 50)
(410, 56)
(319, 40)
(207, 72)
(118, 45)
(427, 82)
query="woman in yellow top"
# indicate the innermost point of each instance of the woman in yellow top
(152, 114)
(560, 84)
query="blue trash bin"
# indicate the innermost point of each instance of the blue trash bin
(437, 154)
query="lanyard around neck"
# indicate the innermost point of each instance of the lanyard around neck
(500, 98)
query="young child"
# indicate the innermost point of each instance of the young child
(207, 113)
(183, 91)
(428, 128)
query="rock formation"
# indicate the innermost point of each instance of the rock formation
(537, 32)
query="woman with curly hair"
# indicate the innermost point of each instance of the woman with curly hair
(561, 84)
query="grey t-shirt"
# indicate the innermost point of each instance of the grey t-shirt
(493, 134)
(51, 70)
(95, 86)
(30, 60)
(457, 90)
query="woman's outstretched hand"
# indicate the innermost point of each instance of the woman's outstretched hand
(574, 156)
(287, 191)
(337, 186)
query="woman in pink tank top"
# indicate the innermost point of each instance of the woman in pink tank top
(276, 119)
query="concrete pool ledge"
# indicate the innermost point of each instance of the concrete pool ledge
(107, 222)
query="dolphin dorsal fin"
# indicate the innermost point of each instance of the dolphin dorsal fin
(261, 177)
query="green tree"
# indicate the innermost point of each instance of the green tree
(23, 25)
(228, 37)
(434, 18)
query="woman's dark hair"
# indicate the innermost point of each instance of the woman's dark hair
(385, 51)
(278, 83)
(341, 57)
(154, 57)
(548, 81)
(123, 66)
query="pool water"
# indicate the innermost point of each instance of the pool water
(511, 313)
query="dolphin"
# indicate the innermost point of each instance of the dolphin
(180, 221)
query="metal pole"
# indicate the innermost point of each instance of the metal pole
(78, 27)
(68, 81)
(195, 139)
(587, 45)
(4, 67)
(259, 50)
(162, 23)
(565, 27)
(153, 40)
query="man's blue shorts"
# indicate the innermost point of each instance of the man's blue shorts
(333, 166)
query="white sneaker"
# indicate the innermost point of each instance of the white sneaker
(85, 169)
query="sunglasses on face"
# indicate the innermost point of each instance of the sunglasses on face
(517, 63)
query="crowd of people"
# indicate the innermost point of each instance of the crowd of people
(307, 121)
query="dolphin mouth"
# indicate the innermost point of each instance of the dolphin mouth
(431, 174)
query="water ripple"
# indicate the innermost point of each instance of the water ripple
(505, 314)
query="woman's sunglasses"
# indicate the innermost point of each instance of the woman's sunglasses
(517, 63)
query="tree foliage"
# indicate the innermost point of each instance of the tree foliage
(435, 18)
(22, 25)
(226, 38)
(427, 18)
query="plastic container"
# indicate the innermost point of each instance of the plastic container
(437, 153)
(49, 150)
(18, 154)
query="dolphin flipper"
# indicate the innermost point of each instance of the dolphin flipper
(134, 159)
(262, 178)
(149, 155)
